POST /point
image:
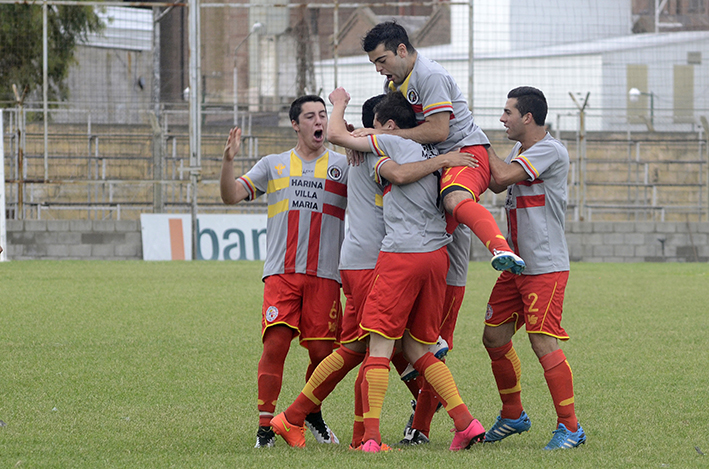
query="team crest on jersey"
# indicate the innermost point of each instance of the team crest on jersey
(271, 314)
(334, 173)
(488, 313)
(412, 96)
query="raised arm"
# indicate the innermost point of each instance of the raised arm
(232, 192)
(337, 131)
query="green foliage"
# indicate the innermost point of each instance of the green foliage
(21, 46)
(153, 364)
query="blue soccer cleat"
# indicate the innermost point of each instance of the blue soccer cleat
(507, 260)
(565, 439)
(506, 427)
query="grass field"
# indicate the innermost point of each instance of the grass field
(139, 364)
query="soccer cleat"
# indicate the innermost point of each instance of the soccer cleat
(414, 437)
(410, 423)
(411, 419)
(474, 433)
(319, 429)
(439, 350)
(265, 438)
(507, 260)
(409, 373)
(506, 427)
(293, 434)
(371, 446)
(565, 439)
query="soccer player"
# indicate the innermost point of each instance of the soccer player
(359, 253)
(535, 176)
(307, 197)
(426, 403)
(405, 300)
(445, 120)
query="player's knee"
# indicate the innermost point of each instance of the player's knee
(452, 199)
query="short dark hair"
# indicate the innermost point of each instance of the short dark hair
(389, 33)
(368, 110)
(530, 99)
(296, 106)
(395, 107)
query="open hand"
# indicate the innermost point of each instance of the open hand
(233, 144)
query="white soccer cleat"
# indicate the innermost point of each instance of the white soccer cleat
(507, 260)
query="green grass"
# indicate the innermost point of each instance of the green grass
(140, 364)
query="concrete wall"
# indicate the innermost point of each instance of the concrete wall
(629, 242)
(588, 242)
(73, 239)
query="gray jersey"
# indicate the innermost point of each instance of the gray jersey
(459, 253)
(536, 207)
(306, 211)
(413, 220)
(365, 223)
(431, 89)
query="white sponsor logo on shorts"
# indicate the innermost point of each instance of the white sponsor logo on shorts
(488, 313)
(271, 314)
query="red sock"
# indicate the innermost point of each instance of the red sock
(400, 363)
(507, 370)
(560, 380)
(439, 376)
(326, 376)
(374, 388)
(426, 406)
(318, 350)
(276, 342)
(358, 426)
(482, 223)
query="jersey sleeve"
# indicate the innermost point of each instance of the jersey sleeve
(391, 147)
(256, 179)
(435, 94)
(537, 159)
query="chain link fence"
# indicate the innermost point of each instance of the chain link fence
(108, 136)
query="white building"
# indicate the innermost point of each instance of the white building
(587, 49)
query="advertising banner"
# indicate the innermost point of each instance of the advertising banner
(220, 237)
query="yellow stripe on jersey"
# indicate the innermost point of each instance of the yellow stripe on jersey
(377, 148)
(442, 103)
(521, 159)
(278, 184)
(404, 87)
(278, 207)
(378, 200)
(296, 165)
(321, 166)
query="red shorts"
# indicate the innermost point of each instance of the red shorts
(539, 297)
(473, 180)
(451, 307)
(407, 293)
(307, 304)
(355, 285)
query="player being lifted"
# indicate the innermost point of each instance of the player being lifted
(360, 250)
(306, 189)
(405, 300)
(444, 120)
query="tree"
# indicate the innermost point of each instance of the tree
(21, 46)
